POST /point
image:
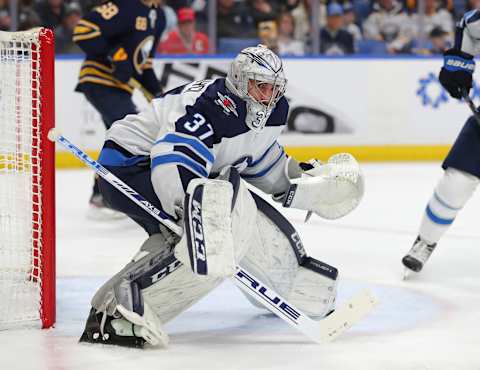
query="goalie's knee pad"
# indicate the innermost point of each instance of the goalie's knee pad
(154, 278)
(277, 256)
(218, 217)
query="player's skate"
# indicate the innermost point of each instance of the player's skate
(418, 255)
(113, 331)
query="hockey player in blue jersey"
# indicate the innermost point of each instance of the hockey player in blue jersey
(191, 154)
(462, 164)
(119, 38)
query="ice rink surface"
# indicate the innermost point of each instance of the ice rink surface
(431, 322)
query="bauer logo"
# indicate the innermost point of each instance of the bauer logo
(267, 295)
(460, 64)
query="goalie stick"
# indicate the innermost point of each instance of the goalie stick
(321, 331)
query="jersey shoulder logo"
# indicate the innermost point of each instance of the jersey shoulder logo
(227, 104)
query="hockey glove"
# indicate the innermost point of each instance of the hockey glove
(456, 73)
(331, 190)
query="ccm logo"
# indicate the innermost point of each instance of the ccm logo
(197, 231)
(268, 295)
(167, 270)
(298, 244)
(289, 197)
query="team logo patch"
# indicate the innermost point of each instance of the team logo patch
(227, 104)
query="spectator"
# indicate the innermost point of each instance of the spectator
(301, 16)
(434, 17)
(268, 35)
(27, 18)
(184, 39)
(390, 24)
(51, 12)
(170, 19)
(263, 10)
(349, 22)
(5, 18)
(234, 20)
(439, 41)
(334, 40)
(64, 33)
(287, 45)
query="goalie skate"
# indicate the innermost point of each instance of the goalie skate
(105, 333)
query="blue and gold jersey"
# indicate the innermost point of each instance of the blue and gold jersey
(119, 38)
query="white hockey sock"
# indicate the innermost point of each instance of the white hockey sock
(450, 195)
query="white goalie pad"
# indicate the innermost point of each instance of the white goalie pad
(277, 257)
(331, 190)
(207, 243)
(147, 326)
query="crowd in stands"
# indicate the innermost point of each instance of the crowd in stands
(344, 26)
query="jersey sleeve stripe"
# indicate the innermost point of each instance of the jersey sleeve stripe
(191, 142)
(267, 169)
(254, 163)
(113, 157)
(175, 158)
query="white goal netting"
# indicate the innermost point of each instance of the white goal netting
(22, 155)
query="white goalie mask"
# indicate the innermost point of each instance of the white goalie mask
(256, 75)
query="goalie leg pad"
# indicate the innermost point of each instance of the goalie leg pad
(218, 217)
(157, 280)
(208, 228)
(277, 257)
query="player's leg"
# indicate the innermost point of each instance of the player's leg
(277, 257)
(137, 175)
(155, 286)
(112, 104)
(458, 183)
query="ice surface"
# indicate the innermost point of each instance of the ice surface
(430, 322)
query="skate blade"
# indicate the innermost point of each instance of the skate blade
(407, 273)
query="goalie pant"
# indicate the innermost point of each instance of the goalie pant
(265, 244)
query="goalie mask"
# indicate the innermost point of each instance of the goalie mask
(256, 75)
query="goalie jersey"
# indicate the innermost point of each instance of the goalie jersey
(196, 130)
(119, 38)
(467, 36)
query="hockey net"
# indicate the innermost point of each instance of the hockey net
(27, 183)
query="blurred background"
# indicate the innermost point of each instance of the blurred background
(291, 27)
(362, 74)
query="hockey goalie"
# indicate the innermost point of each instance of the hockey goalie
(201, 153)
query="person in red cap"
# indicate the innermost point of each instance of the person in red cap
(185, 39)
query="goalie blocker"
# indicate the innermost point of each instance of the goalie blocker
(164, 279)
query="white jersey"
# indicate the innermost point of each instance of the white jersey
(196, 130)
(468, 33)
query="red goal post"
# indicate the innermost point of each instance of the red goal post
(27, 179)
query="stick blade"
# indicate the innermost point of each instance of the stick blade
(348, 315)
